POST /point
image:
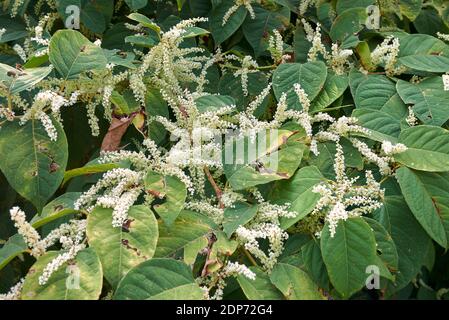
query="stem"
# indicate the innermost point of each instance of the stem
(250, 257)
(217, 189)
(9, 102)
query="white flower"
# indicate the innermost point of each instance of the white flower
(235, 268)
(390, 149)
(59, 261)
(443, 36)
(445, 78)
(341, 199)
(20, 52)
(15, 291)
(2, 32)
(411, 118)
(236, 6)
(386, 53)
(29, 234)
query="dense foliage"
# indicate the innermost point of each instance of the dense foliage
(120, 129)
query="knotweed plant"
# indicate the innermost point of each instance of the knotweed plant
(221, 147)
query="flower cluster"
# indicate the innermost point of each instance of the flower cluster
(445, 82)
(70, 235)
(52, 100)
(341, 199)
(218, 280)
(265, 225)
(29, 234)
(118, 189)
(276, 48)
(15, 291)
(337, 58)
(386, 53)
(236, 6)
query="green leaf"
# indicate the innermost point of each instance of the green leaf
(427, 148)
(277, 157)
(232, 86)
(334, 87)
(213, 102)
(187, 229)
(294, 283)
(171, 190)
(159, 279)
(427, 196)
(11, 249)
(237, 216)
(32, 163)
(222, 32)
(429, 99)
(88, 170)
(121, 249)
(19, 80)
(347, 23)
(421, 44)
(192, 32)
(155, 105)
(409, 237)
(374, 92)
(310, 75)
(343, 5)
(71, 53)
(314, 264)
(298, 192)
(410, 8)
(426, 63)
(257, 31)
(260, 288)
(325, 160)
(63, 284)
(136, 4)
(386, 248)
(57, 208)
(348, 254)
(144, 21)
(382, 125)
(16, 29)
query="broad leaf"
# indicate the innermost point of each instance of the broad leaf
(348, 254)
(427, 195)
(71, 53)
(274, 155)
(187, 229)
(17, 80)
(334, 87)
(171, 190)
(222, 32)
(257, 31)
(409, 237)
(159, 279)
(310, 75)
(427, 148)
(32, 163)
(11, 249)
(121, 249)
(294, 283)
(428, 98)
(82, 279)
(237, 216)
(260, 288)
(298, 192)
